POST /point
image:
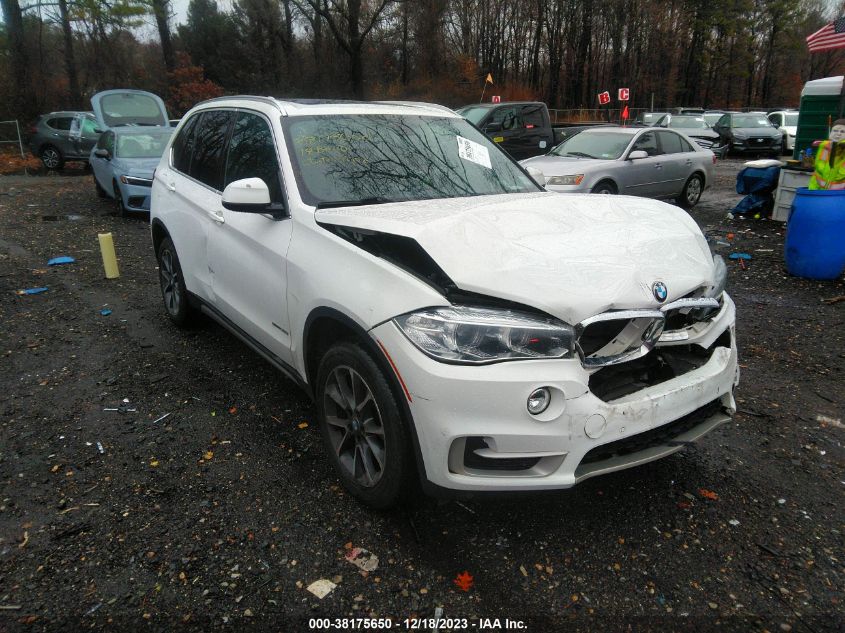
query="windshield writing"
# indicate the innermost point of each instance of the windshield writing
(395, 158)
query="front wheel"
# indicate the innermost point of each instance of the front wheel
(691, 193)
(173, 290)
(363, 429)
(101, 193)
(118, 200)
(605, 187)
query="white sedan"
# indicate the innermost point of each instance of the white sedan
(649, 162)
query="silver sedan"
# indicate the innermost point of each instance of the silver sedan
(649, 162)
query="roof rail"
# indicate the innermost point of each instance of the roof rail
(418, 104)
(268, 100)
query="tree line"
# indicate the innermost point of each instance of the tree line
(732, 53)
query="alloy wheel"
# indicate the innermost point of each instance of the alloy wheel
(355, 426)
(693, 191)
(50, 157)
(169, 276)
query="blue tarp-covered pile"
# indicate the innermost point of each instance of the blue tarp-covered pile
(758, 184)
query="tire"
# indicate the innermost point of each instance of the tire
(174, 294)
(51, 157)
(605, 187)
(118, 200)
(691, 193)
(101, 193)
(368, 442)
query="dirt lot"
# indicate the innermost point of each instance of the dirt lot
(219, 515)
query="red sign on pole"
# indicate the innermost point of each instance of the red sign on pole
(625, 114)
(624, 94)
(604, 98)
(497, 99)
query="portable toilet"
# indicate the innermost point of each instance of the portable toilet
(821, 104)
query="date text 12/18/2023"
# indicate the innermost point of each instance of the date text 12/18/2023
(417, 624)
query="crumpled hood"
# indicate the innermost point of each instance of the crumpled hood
(570, 255)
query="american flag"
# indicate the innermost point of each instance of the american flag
(828, 37)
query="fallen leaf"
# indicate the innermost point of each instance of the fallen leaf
(302, 425)
(208, 455)
(233, 410)
(708, 494)
(464, 580)
(154, 463)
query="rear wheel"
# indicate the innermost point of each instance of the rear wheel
(606, 187)
(52, 157)
(363, 429)
(173, 290)
(691, 193)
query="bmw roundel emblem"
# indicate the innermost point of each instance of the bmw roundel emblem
(660, 291)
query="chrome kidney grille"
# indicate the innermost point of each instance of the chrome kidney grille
(619, 336)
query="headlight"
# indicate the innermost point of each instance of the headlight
(739, 137)
(574, 179)
(462, 334)
(134, 180)
(720, 280)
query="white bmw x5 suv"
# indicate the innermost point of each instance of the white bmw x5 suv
(454, 323)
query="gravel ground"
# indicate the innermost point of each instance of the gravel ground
(219, 515)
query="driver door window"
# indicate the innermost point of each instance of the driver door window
(647, 143)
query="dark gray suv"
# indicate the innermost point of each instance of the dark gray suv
(62, 136)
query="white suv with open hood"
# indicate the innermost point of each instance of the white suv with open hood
(451, 319)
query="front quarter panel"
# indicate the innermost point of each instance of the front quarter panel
(326, 271)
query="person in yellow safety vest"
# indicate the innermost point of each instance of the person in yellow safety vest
(830, 160)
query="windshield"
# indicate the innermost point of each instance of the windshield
(751, 120)
(594, 144)
(391, 158)
(473, 114)
(651, 117)
(142, 144)
(791, 119)
(689, 123)
(711, 118)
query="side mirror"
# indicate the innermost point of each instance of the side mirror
(102, 153)
(637, 154)
(536, 174)
(97, 130)
(249, 195)
(493, 127)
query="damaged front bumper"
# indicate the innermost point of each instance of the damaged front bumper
(475, 432)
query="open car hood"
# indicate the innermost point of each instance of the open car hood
(117, 108)
(570, 255)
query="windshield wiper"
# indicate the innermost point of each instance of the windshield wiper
(578, 154)
(332, 204)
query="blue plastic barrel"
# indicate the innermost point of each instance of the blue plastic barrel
(815, 234)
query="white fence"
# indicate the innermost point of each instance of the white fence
(10, 133)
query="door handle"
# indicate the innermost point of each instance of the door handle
(217, 217)
(658, 165)
(171, 186)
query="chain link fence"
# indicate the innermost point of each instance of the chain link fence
(10, 134)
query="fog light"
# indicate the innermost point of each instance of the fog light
(539, 401)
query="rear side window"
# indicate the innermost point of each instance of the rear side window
(532, 116)
(252, 154)
(89, 126)
(183, 145)
(209, 145)
(60, 123)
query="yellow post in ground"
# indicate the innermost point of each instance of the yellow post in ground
(109, 256)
